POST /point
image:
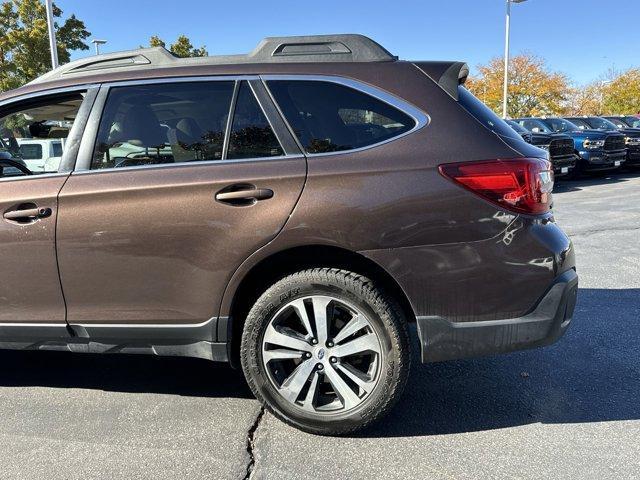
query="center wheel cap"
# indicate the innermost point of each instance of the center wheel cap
(320, 354)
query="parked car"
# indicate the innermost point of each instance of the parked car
(631, 135)
(597, 150)
(320, 197)
(624, 121)
(560, 147)
(41, 154)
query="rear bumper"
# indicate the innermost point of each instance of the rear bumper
(441, 339)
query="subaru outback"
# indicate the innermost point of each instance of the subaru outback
(302, 212)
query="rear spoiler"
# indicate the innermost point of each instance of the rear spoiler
(449, 75)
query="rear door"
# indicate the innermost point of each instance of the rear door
(178, 182)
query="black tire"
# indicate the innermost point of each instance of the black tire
(386, 319)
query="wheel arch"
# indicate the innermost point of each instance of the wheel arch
(284, 262)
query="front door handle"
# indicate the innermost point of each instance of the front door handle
(243, 195)
(27, 214)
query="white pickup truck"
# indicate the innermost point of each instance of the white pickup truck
(41, 154)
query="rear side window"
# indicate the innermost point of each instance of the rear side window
(330, 117)
(251, 135)
(484, 114)
(163, 123)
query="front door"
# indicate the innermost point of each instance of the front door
(186, 180)
(30, 291)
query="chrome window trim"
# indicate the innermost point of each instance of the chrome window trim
(192, 163)
(420, 118)
(35, 176)
(91, 133)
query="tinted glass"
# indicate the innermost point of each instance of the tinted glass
(30, 134)
(601, 123)
(484, 114)
(163, 123)
(251, 135)
(617, 122)
(534, 125)
(329, 117)
(31, 151)
(57, 149)
(560, 125)
(517, 127)
(580, 123)
(633, 122)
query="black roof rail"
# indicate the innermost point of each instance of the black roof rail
(302, 49)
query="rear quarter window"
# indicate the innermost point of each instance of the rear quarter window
(331, 117)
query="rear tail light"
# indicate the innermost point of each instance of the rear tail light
(522, 185)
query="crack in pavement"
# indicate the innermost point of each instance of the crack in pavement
(251, 443)
(587, 233)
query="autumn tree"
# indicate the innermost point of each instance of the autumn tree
(585, 100)
(533, 89)
(182, 47)
(24, 40)
(621, 92)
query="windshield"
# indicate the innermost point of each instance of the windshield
(517, 127)
(484, 114)
(580, 123)
(617, 122)
(601, 124)
(633, 122)
(560, 125)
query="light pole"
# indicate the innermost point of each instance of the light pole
(97, 43)
(52, 34)
(506, 57)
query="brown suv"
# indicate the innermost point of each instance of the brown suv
(292, 211)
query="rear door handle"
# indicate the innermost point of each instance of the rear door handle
(248, 195)
(27, 214)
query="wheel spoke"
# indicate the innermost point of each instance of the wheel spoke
(357, 377)
(356, 323)
(287, 340)
(292, 386)
(320, 317)
(368, 342)
(342, 389)
(301, 311)
(311, 394)
(281, 354)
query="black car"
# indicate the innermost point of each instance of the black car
(561, 149)
(624, 121)
(631, 135)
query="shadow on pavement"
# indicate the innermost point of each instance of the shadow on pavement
(122, 373)
(588, 180)
(590, 375)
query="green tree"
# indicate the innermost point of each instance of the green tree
(24, 40)
(533, 88)
(182, 47)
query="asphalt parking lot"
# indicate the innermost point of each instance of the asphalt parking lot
(567, 411)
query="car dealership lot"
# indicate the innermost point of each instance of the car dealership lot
(569, 410)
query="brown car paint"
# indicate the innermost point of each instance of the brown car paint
(152, 246)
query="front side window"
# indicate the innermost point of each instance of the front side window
(33, 137)
(330, 117)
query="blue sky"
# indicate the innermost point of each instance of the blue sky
(582, 38)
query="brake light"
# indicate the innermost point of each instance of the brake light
(522, 185)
